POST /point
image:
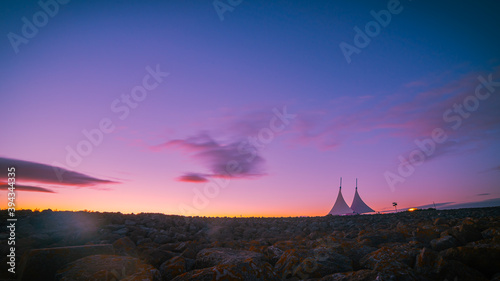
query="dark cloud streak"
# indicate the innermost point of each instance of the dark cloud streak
(27, 171)
(236, 159)
(27, 188)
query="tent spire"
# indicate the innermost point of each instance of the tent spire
(340, 207)
(358, 205)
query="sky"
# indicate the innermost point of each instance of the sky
(249, 108)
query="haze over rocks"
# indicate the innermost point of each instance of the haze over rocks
(449, 245)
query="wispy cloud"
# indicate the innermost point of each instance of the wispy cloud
(493, 169)
(454, 205)
(232, 147)
(235, 159)
(436, 205)
(411, 113)
(482, 194)
(478, 204)
(43, 174)
(193, 177)
(18, 187)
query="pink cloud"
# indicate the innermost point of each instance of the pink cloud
(47, 174)
(404, 115)
(236, 159)
(5, 186)
(193, 177)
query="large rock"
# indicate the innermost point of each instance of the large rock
(273, 254)
(393, 263)
(155, 256)
(215, 256)
(355, 251)
(374, 239)
(444, 243)
(426, 234)
(173, 267)
(360, 275)
(491, 233)
(286, 266)
(327, 262)
(311, 264)
(398, 253)
(466, 232)
(125, 247)
(108, 267)
(455, 270)
(244, 270)
(428, 263)
(42, 264)
(483, 259)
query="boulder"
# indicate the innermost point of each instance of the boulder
(425, 234)
(455, 270)
(399, 253)
(173, 267)
(466, 232)
(355, 251)
(311, 264)
(483, 259)
(216, 256)
(392, 262)
(273, 254)
(162, 239)
(42, 264)
(248, 269)
(360, 275)
(490, 233)
(289, 261)
(155, 256)
(440, 221)
(125, 247)
(428, 263)
(444, 243)
(108, 267)
(325, 261)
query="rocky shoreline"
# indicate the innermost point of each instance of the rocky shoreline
(461, 244)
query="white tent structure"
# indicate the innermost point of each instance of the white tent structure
(340, 207)
(358, 206)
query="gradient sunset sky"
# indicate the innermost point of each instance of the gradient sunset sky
(222, 108)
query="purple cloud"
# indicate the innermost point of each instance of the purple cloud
(193, 177)
(236, 159)
(27, 188)
(27, 171)
(398, 116)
